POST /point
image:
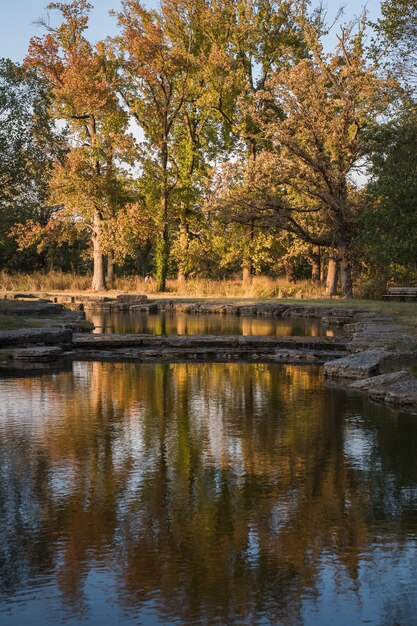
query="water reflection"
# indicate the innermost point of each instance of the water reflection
(203, 494)
(205, 324)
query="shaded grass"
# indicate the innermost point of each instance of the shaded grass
(14, 322)
(8, 321)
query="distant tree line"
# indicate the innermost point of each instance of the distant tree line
(213, 138)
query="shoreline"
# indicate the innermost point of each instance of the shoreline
(374, 356)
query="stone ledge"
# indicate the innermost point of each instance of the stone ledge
(328, 344)
(131, 298)
(44, 353)
(377, 387)
(170, 354)
(354, 366)
(34, 309)
(35, 336)
(403, 393)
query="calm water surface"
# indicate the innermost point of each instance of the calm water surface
(203, 494)
(167, 323)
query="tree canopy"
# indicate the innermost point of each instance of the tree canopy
(207, 139)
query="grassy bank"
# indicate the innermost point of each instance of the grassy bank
(261, 290)
(8, 321)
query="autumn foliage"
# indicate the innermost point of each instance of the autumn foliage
(207, 139)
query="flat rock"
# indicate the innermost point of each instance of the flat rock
(361, 365)
(107, 307)
(318, 312)
(35, 336)
(44, 353)
(402, 393)
(37, 308)
(106, 342)
(379, 335)
(383, 380)
(336, 320)
(199, 354)
(146, 307)
(378, 386)
(267, 310)
(131, 298)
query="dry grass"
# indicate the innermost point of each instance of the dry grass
(260, 287)
(38, 281)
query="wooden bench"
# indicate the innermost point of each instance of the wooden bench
(401, 293)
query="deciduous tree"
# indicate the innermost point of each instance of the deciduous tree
(315, 115)
(154, 82)
(90, 184)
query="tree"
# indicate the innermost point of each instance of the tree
(153, 84)
(29, 143)
(91, 184)
(251, 42)
(314, 116)
(391, 215)
(398, 27)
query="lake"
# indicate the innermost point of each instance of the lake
(194, 494)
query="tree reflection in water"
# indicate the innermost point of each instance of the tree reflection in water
(205, 493)
(170, 323)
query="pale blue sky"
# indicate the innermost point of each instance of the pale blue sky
(17, 17)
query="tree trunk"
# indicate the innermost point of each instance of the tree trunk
(246, 272)
(162, 244)
(322, 273)
(110, 271)
(247, 267)
(315, 261)
(332, 277)
(99, 282)
(289, 271)
(345, 273)
(184, 246)
(162, 256)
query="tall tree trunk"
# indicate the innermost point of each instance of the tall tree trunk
(332, 276)
(247, 266)
(99, 282)
(162, 244)
(110, 271)
(345, 273)
(315, 261)
(184, 246)
(162, 258)
(322, 272)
